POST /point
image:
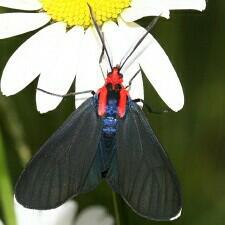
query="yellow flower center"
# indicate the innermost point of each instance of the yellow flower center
(76, 12)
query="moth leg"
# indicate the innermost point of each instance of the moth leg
(149, 108)
(132, 78)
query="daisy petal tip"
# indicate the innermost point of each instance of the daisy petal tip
(165, 14)
(178, 107)
(200, 5)
(177, 103)
(41, 110)
(203, 5)
(5, 93)
(9, 85)
(45, 105)
(42, 105)
(6, 90)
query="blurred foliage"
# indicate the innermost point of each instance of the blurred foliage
(6, 193)
(194, 138)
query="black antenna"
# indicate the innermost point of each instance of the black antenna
(148, 28)
(100, 60)
(99, 34)
(68, 94)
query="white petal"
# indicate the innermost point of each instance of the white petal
(1, 223)
(132, 35)
(28, 60)
(143, 8)
(119, 41)
(94, 215)
(160, 72)
(157, 67)
(89, 75)
(12, 24)
(21, 4)
(60, 70)
(186, 4)
(132, 66)
(132, 14)
(170, 4)
(115, 40)
(61, 215)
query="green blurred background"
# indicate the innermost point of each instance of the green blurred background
(194, 137)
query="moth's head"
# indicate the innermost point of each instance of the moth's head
(114, 78)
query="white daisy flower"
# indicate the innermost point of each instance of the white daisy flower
(69, 47)
(67, 214)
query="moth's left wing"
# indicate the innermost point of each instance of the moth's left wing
(66, 165)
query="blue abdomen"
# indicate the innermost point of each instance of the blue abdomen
(110, 120)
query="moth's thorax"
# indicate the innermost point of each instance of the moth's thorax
(113, 86)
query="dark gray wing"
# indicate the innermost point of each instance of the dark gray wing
(66, 164)
(141, 171)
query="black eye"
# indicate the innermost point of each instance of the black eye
(121, 75)
(117, 86)
(109, 74)
(109, 87)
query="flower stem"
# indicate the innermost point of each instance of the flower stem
(116, 210)
(15, 129)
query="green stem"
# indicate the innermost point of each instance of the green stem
(6, 193)
(116, 209)
(15, 129)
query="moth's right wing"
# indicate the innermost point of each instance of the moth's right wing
(66, 164)
(141, 171)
